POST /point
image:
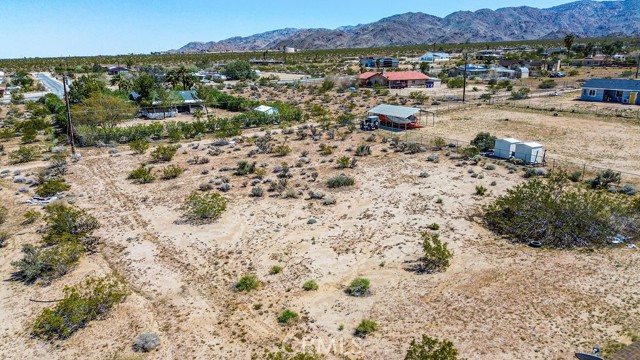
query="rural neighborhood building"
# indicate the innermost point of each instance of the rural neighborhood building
(522, 72)
(622, 91)
(435, 56)
(505, 148)
(114, 69)
(472, 70)
(1, 77)
(530, 152)
(489, 55)
(188, 101)
(597, 60)
(396, 79)
(379, 62)
(398, 116)
(267, 110)
(289, 50)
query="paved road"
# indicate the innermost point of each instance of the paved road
(51, 84)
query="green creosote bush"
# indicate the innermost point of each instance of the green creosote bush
(141, 175)
(281, 150)
(484, 141)
(358, 287)
(434, 226)
(247, 283)
(171, 172)
(431, 349)
(139, 146)
(204, 206)
(164, 153)
(288, 354)
(51, 187)
(366, 327)
(288, 317)
(244, 168)
(310, 285)
(340, 181)
(81, 304)
(363, 150)
(30, 217)
(257, 191)
(275, 269)
(480, 190)
(557, 214)
(437, 256)
(24, 154)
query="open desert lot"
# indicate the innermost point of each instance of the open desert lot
(497, 300)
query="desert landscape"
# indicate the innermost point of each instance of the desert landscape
(498, 300)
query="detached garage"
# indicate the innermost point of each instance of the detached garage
(505, 148)
(530, 152)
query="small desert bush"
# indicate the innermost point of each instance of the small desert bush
(288, 355)
(287, 317)
(51, 187)
(24, 154)
(275, 269)
(431, 349)
(480, 190)
(547, 84)
(247, 283)
(490, 167)
(358, 287)
(310, 285)
(4, 237)
(604, 178)
(257, 191)
(66, 220)
(146, 342)
(363, 150)
(470, 151)
(325, 149)
(164, 153)
(204, 206)
(171, 172)
(244, 168)
(281, 150)
(139, 146)
(340, 181)
(366, 327)
(434, 227)
(4, 213)
(80, 305)
(437, 256)
(46, 262)
(30, 217)
(575, 176)
(141, 175)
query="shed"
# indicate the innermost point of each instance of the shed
(267, 110)
(505, 148)
(530, 152)
(401, 116)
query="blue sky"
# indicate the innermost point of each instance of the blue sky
(81, 27)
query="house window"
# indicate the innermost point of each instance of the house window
(592, 93)
(618, 94)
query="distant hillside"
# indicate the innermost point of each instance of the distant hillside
(584, 18)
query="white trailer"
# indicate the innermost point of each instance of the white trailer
(505, 148)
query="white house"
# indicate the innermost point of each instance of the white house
(267, 110)
(505, 148)
(435, 56)
(1, 77)
(530, 152)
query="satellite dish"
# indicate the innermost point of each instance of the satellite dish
(583, 356)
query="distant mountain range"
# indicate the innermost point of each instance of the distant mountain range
(584, 18)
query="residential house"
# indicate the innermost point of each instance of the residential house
(623, 91)
(472, 70)
(1, 77)
(597, 60)
(522, 72)
(498, 72)
(374, 61)
(188, 101)
(395, 79)
(435, 56)
(489, 55)
(114, 69)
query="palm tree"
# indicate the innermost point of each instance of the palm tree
(568, 41)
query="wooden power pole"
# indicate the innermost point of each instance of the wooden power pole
(464, 79)
(69, 125)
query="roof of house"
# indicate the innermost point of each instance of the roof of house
(531, 144)
(471, 67)
(367, 75)
(436, 53)
(265, 108)
(614, 84)
(510, 140)
(394, 110)
(631, 352)
(404, 75)
(395, 75)
(189, 96)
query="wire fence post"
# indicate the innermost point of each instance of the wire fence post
(584, 170)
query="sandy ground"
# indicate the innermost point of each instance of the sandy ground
(496, 301)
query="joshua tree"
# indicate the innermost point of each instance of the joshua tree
(568, 41)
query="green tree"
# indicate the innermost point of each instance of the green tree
(144, 85)
(424, 67)
(431, 349)
(122, 82)
(103, 110)
(239, 70)
(484, 141)
(86, 86)
(568, 41)
(437, 256)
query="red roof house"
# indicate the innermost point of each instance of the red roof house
(394, 79)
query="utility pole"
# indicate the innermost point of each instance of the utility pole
(637, 64)
(69, 125)
(464, 79)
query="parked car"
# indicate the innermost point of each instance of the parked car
(557, 75)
